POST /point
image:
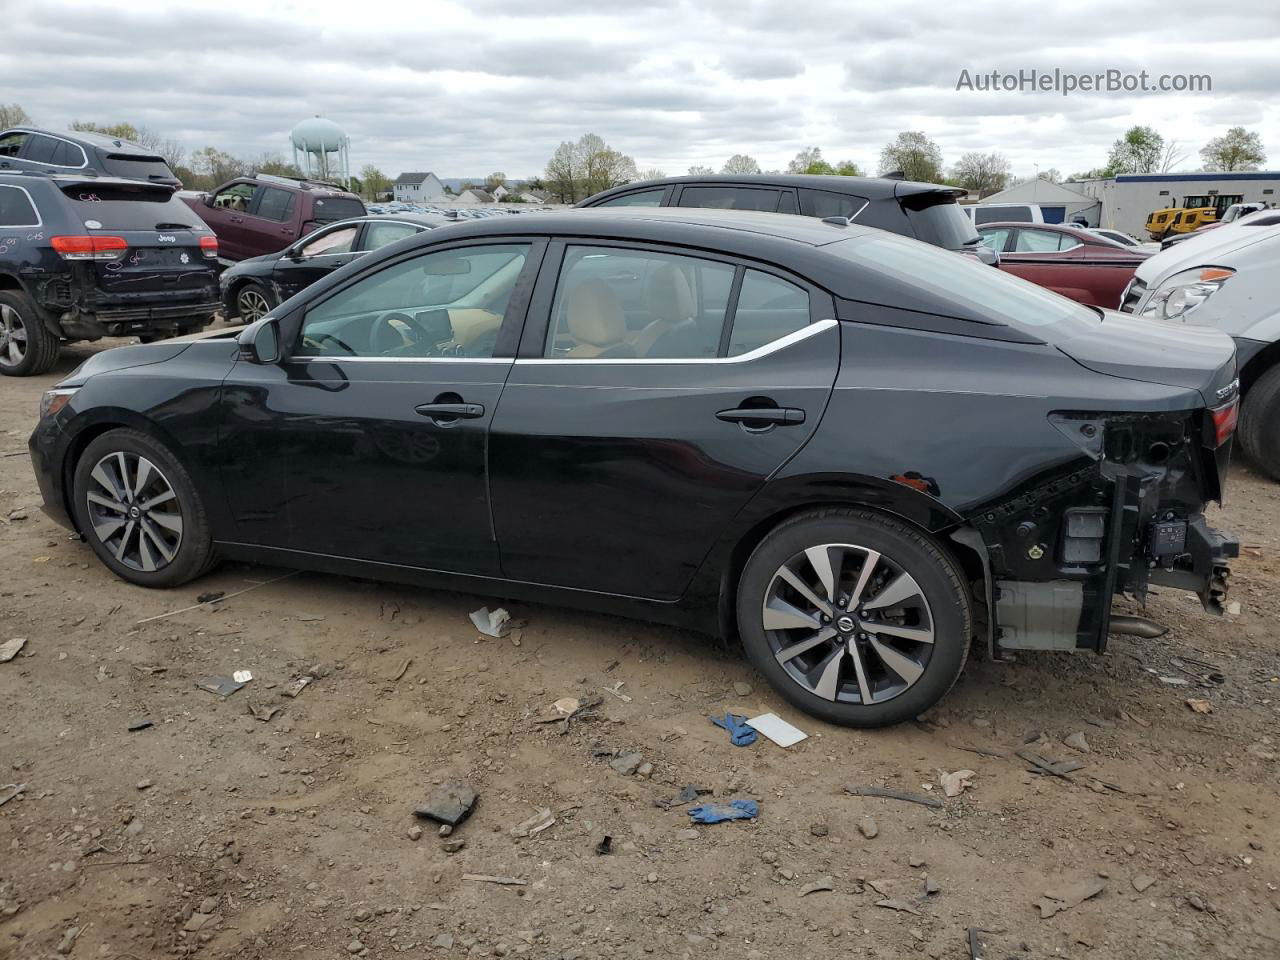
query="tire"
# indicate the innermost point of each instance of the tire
(129, 538)
(251, 298)
(914, 590)
(1259, 429)
(27, 346)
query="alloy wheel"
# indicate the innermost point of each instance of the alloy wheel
(13, 336)
(134, 511)
(252, 305)
(848, 623)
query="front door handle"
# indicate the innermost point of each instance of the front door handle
(451, 411)
(772, 416)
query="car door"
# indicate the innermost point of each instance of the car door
(1045, 257)
(270, 224)
(224, 212)
(368, 440)
(620, 452)
(314, 256)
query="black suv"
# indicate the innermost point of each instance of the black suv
(924, 211)
(88, 257)
(86, 154)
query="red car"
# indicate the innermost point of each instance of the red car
(1075, 263)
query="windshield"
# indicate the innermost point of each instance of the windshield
(137, 168)
(129, 208)
(329, 209)
(943, 225)
(975, 288)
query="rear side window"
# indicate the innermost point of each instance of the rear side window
(642, 198)
(1042, 241)
(129, 208)
(137, 168)
(380, 234)
(824, 203)
(731, 198)
(40, 148)
(768, 308)
(337, 240)
(329, 209)
(11, 143)
(67, 154)
(275, 204)
(16, 209)
(1001, 214)
(942, 224)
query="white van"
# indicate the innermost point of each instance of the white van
(981, 213)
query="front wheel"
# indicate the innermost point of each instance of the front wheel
(140, 511)
(1260, 423)
(253, 302)
(854, 617)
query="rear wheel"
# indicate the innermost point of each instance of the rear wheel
(27, 346)
(854, 617)
(1260, 423)
(253, 302)
(140, 511)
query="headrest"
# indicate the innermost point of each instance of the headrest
(669, 295)
(595, 314)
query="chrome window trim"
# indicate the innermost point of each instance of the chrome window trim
(65, 166)
(812, 330)
(858, 213)
(22, 226)
(311, 359)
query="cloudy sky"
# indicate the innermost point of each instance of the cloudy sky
(464, 88)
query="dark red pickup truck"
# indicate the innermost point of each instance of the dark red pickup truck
(1080, 265)
(261, 214)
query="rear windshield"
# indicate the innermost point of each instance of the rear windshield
(981, 291)
(942, 224)
(1002, 214)
(137, 168)
(129, 208)
(329, 209)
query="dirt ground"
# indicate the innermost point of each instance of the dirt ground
(216, 834)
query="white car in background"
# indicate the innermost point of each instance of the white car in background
(1228, 279)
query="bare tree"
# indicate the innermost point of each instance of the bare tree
(12, 115)
(1172, 156)
(741, 163)
(562, 173)
(171, 150)
(651, 173)
(701, 170)
(982, 173)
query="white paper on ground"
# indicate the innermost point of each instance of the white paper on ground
(777, 729)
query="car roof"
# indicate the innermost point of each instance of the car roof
(1051, 227)
(87, 138)
(676, 223)
(870, 188)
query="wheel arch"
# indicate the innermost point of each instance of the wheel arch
(1258, 364)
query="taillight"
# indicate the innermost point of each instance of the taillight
(1224, 420)
(90, 248)
(209, 247)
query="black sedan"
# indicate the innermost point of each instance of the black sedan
(252, 287)
(855, 451)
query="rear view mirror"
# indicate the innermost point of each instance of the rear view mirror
(260, 342)
(446, 266)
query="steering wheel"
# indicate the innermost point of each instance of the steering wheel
(395, 331)
(318, 340)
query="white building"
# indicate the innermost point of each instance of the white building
(1058, 202)
(474, 195)
(1127, 200)
(418, 188)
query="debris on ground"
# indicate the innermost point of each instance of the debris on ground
(142, 723)
(10, 648)
(401, 670)
(242, 676)
(504, 881)
(261, 712)
(220, 686)
(819, 829)
(297, 686)
(1057, 899)
(604, 845)
(1077, 741)
(535, 824)
(15, 789)
(450, 804)
(820, 885)
(740, 735)
(687, 795)
(309, 617)
(868, 828)
(887, 794)
(494, 623)
(954, 784)
(1063, 769)
(616, 690)
(742, 688)
(68, 941)
(1142, 881)
(211, 596)
(1175, 681)
(892, 903)
(626, 763)
(1200, 706)
(778, 730)
(930, 886)
(720, 812)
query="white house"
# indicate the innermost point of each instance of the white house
(500, 193)
(1058, 202)
(474, 195)
(418, 187)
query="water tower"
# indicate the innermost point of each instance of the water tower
(320, 150)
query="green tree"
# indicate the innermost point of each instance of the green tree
(847, 168)
(1237, 149)
(982, 173)
(578, 170)
(12, 115)
(375, 181)
(213, 167)
(913, 155)
(1140, 150)
(276, 166)
(494, 180)
(741, 164)
(562, 174)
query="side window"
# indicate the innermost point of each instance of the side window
(449, 303)
(235, 197)
(821, 203)
(768, 308)
(334, 241)
(788, 202)
(11, 143)
(642, 198)
(40, 149)
(380, 234)
(275, 204)
(731, 198)
(68, 155)
(995, 237)
(618, 304)
(1040, 241)
(16, 209)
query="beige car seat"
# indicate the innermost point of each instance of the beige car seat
(673, 307)
(596, 320)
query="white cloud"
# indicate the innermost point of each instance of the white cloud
(465, 88)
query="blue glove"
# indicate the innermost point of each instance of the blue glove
(740, 735)
(719, 812)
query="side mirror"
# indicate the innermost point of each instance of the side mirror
(207, 199)
(260, 342)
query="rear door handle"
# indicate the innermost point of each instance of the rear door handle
(776, 416)
(451, 411)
